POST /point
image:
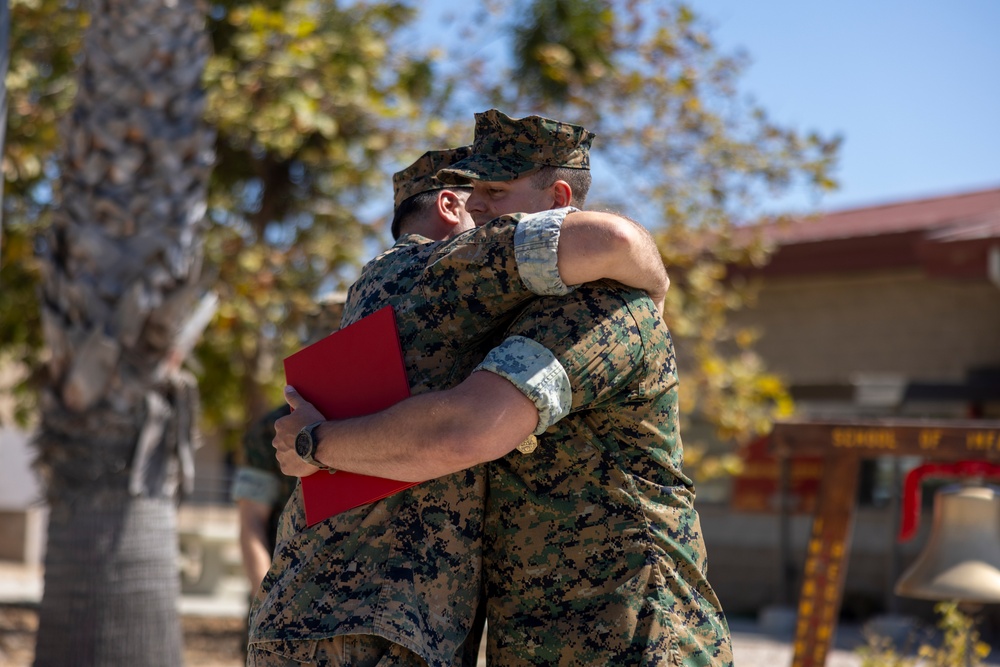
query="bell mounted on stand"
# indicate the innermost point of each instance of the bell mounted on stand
(961, 560)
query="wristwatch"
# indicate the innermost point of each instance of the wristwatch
(305, 445)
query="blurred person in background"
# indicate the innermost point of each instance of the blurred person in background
(260, 490)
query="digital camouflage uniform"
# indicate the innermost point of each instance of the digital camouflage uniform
(593, 553)
(408, 568)
(601, 560)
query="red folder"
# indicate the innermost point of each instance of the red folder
(352, 372)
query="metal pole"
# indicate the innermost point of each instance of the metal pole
(785, 531)
(895, 556)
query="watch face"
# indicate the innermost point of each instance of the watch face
(303, 444)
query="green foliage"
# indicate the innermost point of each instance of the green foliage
(880, 652)
(310, 103)
(44, 37)
(687, 156)
(564, 44)
(314, 104)
(20, 334)
(959, 644)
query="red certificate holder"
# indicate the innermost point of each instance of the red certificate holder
(355, 371)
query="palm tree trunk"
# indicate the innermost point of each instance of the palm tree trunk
(113, 603)
(121, 280)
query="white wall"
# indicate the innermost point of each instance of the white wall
(19, 486)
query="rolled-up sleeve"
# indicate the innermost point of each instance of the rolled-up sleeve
(255, 484)
(536, 245)
(535, 371)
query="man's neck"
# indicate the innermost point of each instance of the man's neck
(434, 231)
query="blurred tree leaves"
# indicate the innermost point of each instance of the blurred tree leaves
(682, 150)
(313, 106)
(316, 104)
(44, 39)
(564, 45)
(307, 101)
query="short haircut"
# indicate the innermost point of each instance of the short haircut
(578, 179)
(418, 205)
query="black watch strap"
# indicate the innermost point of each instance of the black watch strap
(306, 443)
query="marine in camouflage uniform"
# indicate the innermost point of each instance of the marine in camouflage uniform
(593, 553)
(407, 568)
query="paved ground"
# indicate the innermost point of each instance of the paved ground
(754, 644)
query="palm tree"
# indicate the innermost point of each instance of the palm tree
(123, 301)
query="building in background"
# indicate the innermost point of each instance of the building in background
(889, 310)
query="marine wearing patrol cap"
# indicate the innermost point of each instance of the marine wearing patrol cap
(421, 177)
(506, 148)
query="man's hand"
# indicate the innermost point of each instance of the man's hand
(287, 428)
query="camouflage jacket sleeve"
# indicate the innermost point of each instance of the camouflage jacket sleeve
(576, 352)
(536, 243)
(524, 244)
(532, 368)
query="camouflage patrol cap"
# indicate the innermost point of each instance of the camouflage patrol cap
(421, 175)
(506, 148)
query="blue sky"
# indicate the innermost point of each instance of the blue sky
(913, 86)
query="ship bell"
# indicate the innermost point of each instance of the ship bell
(961, 560)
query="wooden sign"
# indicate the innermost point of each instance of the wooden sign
(935, 440)
(843, 445)
(826, 562)
(757, 487)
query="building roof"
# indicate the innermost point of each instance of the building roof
(954, 212)
(950, 236)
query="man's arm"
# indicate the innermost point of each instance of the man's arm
(420, 438)
(527, 383)
(551, 250)
(254, 544)
(257, 491)
(594, 245)
(486, 416)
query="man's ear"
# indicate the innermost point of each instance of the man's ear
(449, 207)
(562, 194)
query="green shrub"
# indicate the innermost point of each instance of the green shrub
(958, 645)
